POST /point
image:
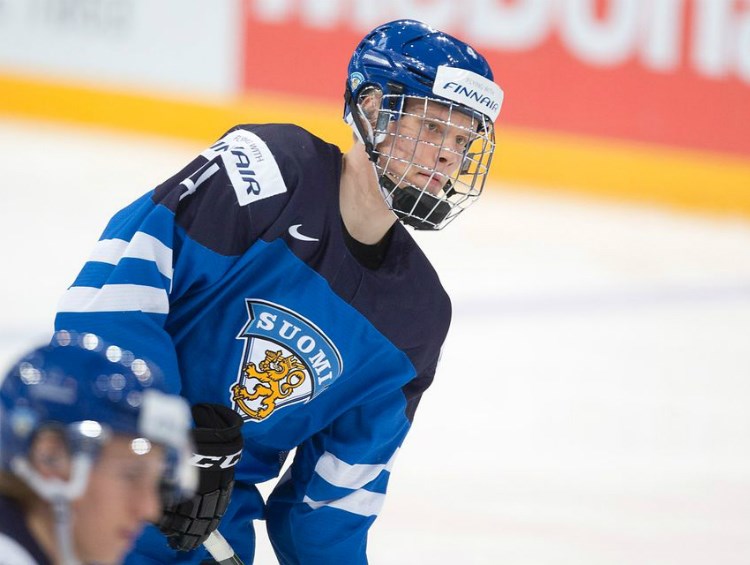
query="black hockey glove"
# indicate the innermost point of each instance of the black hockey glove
(218, 443)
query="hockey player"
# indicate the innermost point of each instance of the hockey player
(273, 275)
(88, 440)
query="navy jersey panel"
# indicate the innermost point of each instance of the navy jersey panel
(17, 545)
(235, 276)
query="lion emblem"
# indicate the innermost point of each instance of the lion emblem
(277, 377)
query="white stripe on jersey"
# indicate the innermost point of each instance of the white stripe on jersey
(115, 298)
(13, 553)
(342, 474)
(141, 246)
(361, 502)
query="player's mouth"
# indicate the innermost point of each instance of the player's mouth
(433, 183)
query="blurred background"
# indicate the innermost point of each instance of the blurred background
(592, 403)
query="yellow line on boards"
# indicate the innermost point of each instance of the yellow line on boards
(626, 170)
(611, 168)
(203, 120)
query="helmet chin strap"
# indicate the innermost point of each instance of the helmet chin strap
(414, 207)
(64, 531)
(59, 494)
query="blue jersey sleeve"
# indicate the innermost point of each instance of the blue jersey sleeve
(147, 259)
(122, 293)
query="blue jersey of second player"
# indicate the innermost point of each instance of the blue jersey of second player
(235, 276)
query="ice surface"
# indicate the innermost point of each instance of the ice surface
(592, 403)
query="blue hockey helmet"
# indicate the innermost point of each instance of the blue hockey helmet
(403, 57)
(89, 390)
(405, 66)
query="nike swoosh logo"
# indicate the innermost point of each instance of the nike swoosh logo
(294, 232)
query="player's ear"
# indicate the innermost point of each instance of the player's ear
(49, 454)
(369, 103)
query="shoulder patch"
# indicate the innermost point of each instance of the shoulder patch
(250, 166)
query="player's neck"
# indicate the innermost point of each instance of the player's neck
(363, 210)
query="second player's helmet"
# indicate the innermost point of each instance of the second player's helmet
(424, 104)
(89, 390)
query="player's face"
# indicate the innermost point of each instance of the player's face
(121, 497)
(428, 138)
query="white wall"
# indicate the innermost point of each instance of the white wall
(179, 47)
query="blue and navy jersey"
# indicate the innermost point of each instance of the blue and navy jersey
(235, 276)
(17, 544)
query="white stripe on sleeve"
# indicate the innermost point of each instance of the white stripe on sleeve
(342, 474)
(108, 251)
(141, 246)
(115, 298)
(360, 502)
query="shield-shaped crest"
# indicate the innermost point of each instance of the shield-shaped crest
(286, 360)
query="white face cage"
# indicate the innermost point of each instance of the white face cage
(432, 156)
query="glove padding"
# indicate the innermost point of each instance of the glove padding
(218, 443)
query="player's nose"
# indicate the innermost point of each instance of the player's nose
(448, 154)
(148, 506)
